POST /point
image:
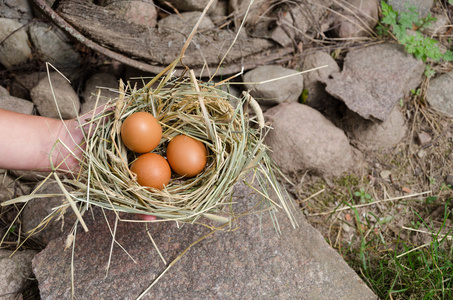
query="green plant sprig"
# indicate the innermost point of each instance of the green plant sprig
(397, 23)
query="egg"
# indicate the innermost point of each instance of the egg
(141, 132)
(186, 156)
(152, 170)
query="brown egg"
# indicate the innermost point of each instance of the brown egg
(152, 170)
(186, 156)
(141, 132)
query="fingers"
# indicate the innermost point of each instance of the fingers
(88, 120)
(146, 217)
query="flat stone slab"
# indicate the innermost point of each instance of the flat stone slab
(374, 78)
(245, 261)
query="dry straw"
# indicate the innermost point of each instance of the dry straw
(182, 106)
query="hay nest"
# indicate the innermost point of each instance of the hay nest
(182, 106)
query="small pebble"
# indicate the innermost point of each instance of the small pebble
(421, 153)
(423, 138)
(346, 227)
(385, 174)
(406, 190)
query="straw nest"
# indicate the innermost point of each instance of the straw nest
(182, 106)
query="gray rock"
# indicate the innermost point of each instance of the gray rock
(15, 49)
(438, 27)
(302, 139)
(184, 23)
(16, 104)
(199, 5)
(7, 187)
(142, 12)
(284, 34)
(22, 83)
(3, 91)
(29, 81)
(53, 46)
(371, 135)
(38, 210)
(288, 26)
(422, 7)
(440, 93)
(317, 96)
(17, 90)
(16, 9)
(278, 91)
(262, 29)
(238, 9)
(248, 262)
(423, 138)
(65, 96)
(219, 13)
(106, 83)
(15, 272)
(357, 18)
(308, 14)
(11, 188)
(370, 87)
